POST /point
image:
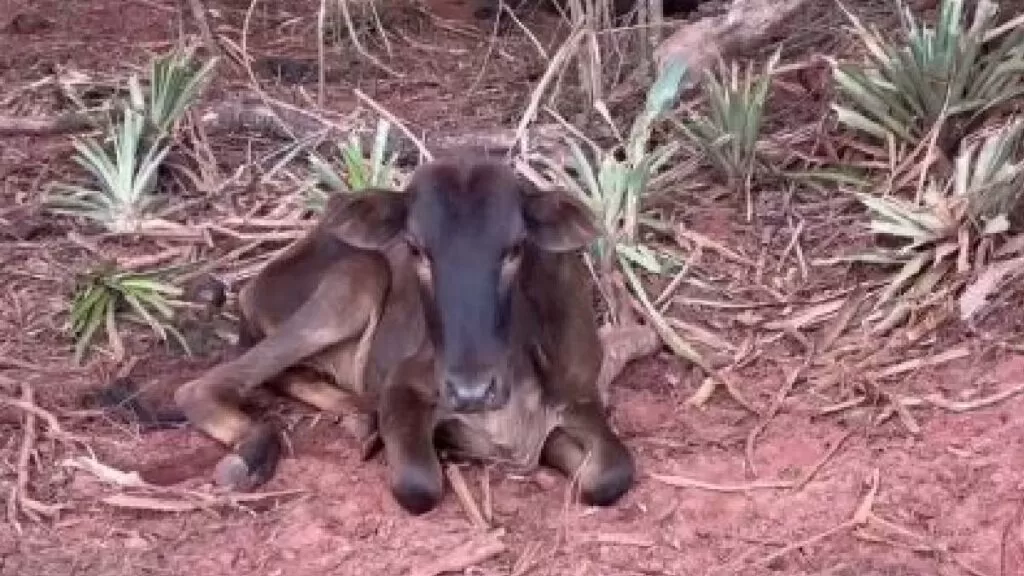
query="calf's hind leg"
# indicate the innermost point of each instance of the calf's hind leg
(212, 402)
(314, 389)
(585, 447)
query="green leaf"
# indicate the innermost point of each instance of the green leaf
(139, 309)
(858, 121)
(663, 93)
(96, 317)
(642, 256)
(909, 271)
(139, 283)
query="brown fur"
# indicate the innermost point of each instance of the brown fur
(343, 327)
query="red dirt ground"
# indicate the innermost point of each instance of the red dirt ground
(958, 485)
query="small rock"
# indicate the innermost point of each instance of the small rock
(28, 24)
(546, 479)
(136, 542)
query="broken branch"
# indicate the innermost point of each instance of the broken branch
(469, 554)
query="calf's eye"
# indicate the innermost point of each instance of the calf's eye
(513, 254)
(415, 250)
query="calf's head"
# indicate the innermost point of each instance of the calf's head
(468, 226)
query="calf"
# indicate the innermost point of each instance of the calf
(458, 312)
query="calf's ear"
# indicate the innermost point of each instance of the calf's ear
(368, 219)
(556, 221)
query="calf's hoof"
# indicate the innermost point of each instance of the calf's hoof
(253, 461)
(418, 489)
(611, 479)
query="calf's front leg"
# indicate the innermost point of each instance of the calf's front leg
(407, 420)
(213, 401)
(586, 448)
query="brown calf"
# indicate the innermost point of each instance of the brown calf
(457, 312)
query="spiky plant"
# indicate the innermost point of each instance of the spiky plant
(942, 232)
(125, 177)
(358, 171)
(615, 188)
(124, 166)
(174, 85)
(952, 70)
(728, 134)
(979, 197)
(105, 297)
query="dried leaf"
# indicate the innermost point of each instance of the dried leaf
(105, 473)
(917, 363)
(975, 296)
(808, 316)
(703, 394)
(846, 313)
(701, 334)
(153, 504)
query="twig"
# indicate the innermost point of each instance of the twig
(917, 363)
(794, 242)
(679, 346)
(526, 32)
(346, 15)
(429, 47)
(155, 6)
(199, 13)
(469, 554)
(267, 100)
(277, 236)
(860, 517)
(698, 239)
(184, 500)
(813, 471)
(394, 120)
(29, 506)
(773, 409)
(527, 560)
(150, 260)
(969, 405)
(244, 49)
(488, 498)
(619, 539)
(458, 482)
(31, 408)
(490, 48)
(662, 301)
(12, 509)
(9, 362)
(918, 543)
(957, 406)
(683, 482)
(46, 126)
(841, 406)
(321, 24)
(906, 418)
(140, 502)
(25, 453)
(556, 64)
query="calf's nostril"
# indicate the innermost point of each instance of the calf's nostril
(472, 393)
(492, 389)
